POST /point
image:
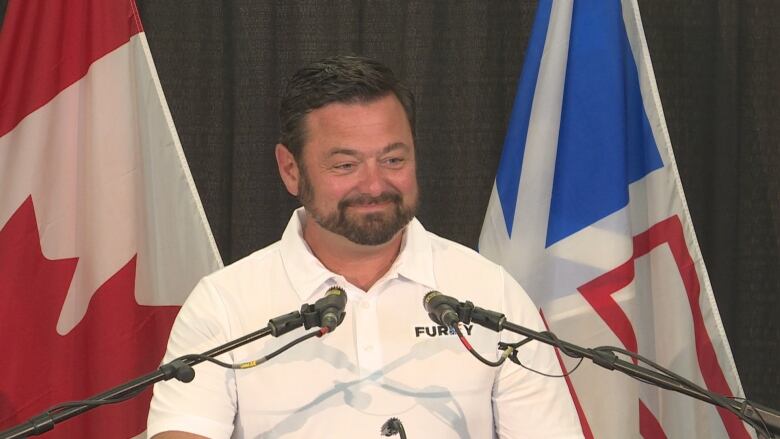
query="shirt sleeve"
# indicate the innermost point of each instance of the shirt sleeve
(527, 404)
(206, 405)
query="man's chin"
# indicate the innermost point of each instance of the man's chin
(368, 216)
(371, 238)
(370, 225)
(373, 229)
(370, 210)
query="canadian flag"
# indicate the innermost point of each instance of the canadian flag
(102, 234)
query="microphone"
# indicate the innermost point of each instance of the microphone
(331, 308)
(392, 427)
(441, 309)
(447, 311)
(327, 312)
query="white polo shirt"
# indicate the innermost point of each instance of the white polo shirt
(387, 359)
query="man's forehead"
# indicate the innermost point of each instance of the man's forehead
(386, 106)
(353, 128)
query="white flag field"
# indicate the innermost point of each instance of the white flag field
(102, 234)
(588, 214)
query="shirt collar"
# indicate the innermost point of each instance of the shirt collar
(415, 260)
(308, 275)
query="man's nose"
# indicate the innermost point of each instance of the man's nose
(372, 180)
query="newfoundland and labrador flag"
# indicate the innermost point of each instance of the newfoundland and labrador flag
(102, 233)
(588, 214)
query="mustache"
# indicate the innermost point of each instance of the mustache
(363, 199)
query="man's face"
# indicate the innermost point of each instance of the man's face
(357, 170)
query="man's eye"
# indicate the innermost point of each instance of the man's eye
(394, 161)
(344, 166)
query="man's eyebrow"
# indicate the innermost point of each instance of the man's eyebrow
(342, 150)
(394, 146)
(353, 152)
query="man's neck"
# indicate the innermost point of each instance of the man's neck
(361, 265)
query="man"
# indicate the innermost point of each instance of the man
(347, 152)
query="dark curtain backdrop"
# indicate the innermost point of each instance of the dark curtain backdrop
(222, 65)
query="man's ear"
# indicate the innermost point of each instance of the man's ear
(288, 169)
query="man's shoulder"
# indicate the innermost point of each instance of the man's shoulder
(460, 268)
(463, 273)
(448, 251)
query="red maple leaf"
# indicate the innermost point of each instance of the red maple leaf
(116, 341)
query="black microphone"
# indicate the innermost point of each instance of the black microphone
(446, 310)
(392, 427)
(441, 309)
(327, 312)
(331, 307)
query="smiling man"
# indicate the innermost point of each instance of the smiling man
(356, 178)
(347, 151)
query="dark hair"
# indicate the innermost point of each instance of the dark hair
(344, 79)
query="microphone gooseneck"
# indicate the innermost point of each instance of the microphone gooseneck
(446, 310)
(326, 313)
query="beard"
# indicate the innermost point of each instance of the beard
(372, 228)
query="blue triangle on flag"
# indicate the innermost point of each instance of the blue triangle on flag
(605, 141)
(508, 173)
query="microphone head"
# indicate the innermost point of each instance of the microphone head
(331, 307)
(430, 296)
(390, 427)
(441, 309)
(337, 295)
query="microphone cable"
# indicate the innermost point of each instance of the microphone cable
(438, 306)
(558, 345)
(720, 400)
(245, 365)
(254, 363)
(507, 351)
(608, 352)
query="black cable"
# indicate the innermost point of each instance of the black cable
(719, 400)
(747, 403)
(93, 402)
(184, 358)
(473, 352)
(605, 356)
(319, 333)
(715, 398)
(514, 359)
(259, 361)
(563, 375)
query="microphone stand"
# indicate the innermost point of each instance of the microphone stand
(761, 416)
(181, 368)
